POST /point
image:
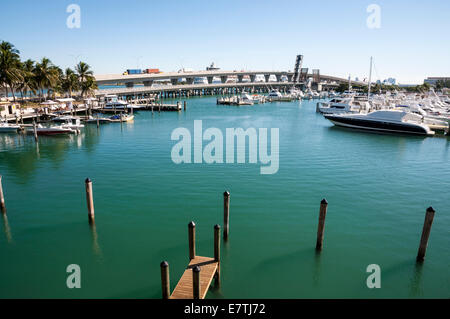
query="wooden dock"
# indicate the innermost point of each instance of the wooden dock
(154, 107)
(197, 278)
(185, 287)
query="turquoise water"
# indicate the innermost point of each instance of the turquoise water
(377, 186)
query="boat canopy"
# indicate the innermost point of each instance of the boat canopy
(394, 115)
(49, 103)
(68, 99)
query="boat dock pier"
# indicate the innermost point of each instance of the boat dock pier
(144, 107)
(37, 116)
(84, 112)
(196, 279)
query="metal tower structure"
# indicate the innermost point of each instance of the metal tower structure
(298, 65)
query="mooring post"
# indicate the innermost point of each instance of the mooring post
(196, 281)
(2, 198)
(35, 131)
(90, 200)
(429, 216)
(185, 105)
(217, 253)
(165, 280)
(322, 215)
(191, 233)
(226, 214)
(98, 121)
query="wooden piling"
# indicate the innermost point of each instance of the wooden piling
(191, 233)
(185, 105)
(35, 131)
(165, 280)
(217, 253)
(429, 216)
(196, 281)
(226, 214)
(90, 200)
(320, 230)
(98, 122)
(2, 198)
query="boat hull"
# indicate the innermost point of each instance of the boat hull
(9, 129)
(43, 131)
(380, 126)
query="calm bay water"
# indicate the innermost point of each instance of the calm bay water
(377, 187)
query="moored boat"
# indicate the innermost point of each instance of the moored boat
(121, 118)
(94, 120)
(51, 130)
(383, 121)
(9, 128)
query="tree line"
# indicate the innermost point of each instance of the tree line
(35, 78)
(377, 88)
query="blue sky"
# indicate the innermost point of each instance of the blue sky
(412, 43)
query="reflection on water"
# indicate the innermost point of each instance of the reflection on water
(6, 228)
(416, 280)
(317, 262)
(95, 246)
(37, 150)
(21, 154)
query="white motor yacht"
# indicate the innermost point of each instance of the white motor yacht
(8, 128)
(383, 121)
(113, 102)
(338, 106)
(275, 94)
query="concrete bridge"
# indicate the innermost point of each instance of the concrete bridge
(151, 83)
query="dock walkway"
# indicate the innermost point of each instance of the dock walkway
(185, 287)
(197, 278)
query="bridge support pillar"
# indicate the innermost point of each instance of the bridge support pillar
(148, 83)
(267, 76)
(210, 79)
(174, 81)
(240, 77)
(252, 77)
(278, 76)
(129, 84)
(224, 79)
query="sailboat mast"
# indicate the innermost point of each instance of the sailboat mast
(370, 79)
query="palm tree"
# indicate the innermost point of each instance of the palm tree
(10, 68)
(47, 75)
(28, 83)
(88, 86)
(85, 78)
(70, 81)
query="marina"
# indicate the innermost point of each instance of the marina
(243, 259)
(224, 159)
